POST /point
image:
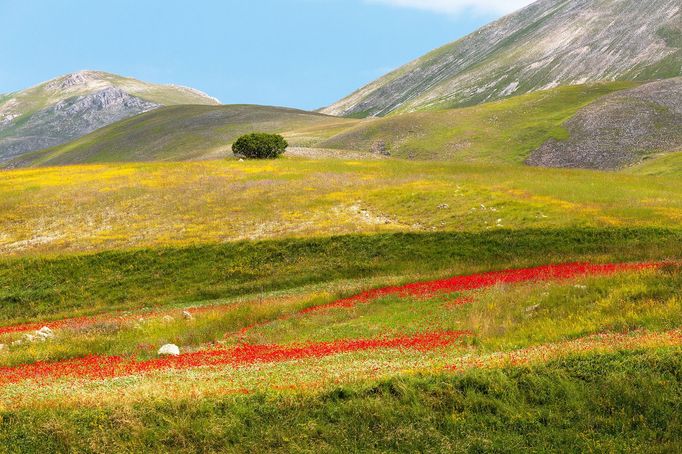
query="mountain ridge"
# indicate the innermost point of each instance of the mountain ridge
(67, 107)
(544, 45)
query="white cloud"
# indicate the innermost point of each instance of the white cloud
(456, 6)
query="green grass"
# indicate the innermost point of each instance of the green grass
(663, 165)
(36, 287)
(499, 318)
(613, 402)
(504, 317)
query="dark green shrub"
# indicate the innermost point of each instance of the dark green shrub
(259, 146)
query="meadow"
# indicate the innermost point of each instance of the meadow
(526, 361)
(331, 306)
(93, 208)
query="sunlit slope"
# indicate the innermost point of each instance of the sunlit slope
(79, 208)
(185, 133)
(665, 164)
(506, 131)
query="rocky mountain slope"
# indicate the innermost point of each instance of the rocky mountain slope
(547, 44)
(619, 129)
(71, 106)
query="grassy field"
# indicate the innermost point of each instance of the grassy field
(607, 403)
(280, 354)
(665, 164)
(94, 208)
(598, 356)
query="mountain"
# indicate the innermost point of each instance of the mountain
(620, 129)
(71, 106)
(184, 132)
(546, 44)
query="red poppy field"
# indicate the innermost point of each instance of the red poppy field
(470, 344)
(234, 350)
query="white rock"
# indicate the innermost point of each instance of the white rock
(169, 350)
(17, 342)
(167, 319)
(28, 337)
(187, 315)
(45, 333)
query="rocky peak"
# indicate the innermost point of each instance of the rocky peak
(77, 79)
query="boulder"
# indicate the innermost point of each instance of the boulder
(44, 333)
(187, 315)
(169, 350)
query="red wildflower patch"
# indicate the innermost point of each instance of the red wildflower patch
(100, 367)
(459, 302)
(477, 281)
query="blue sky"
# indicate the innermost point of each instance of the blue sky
(299, 53)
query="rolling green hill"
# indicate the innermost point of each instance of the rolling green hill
(619, 130)
(179, 133)
(506, 131)
(608, 125)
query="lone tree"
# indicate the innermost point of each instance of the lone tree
(259, 146)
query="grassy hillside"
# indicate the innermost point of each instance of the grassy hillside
(185, 133)
(101, 207)
(531, 363)
(619, 130)
(35, 288)
(500, 132)
(664, 164)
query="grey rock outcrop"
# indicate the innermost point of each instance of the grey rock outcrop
(619, 129)
(68, 107)
(70, 119)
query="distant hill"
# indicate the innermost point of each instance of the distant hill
(505, 131)
(71, 106)
(620, 129)
(545, 45)
(185, 133)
